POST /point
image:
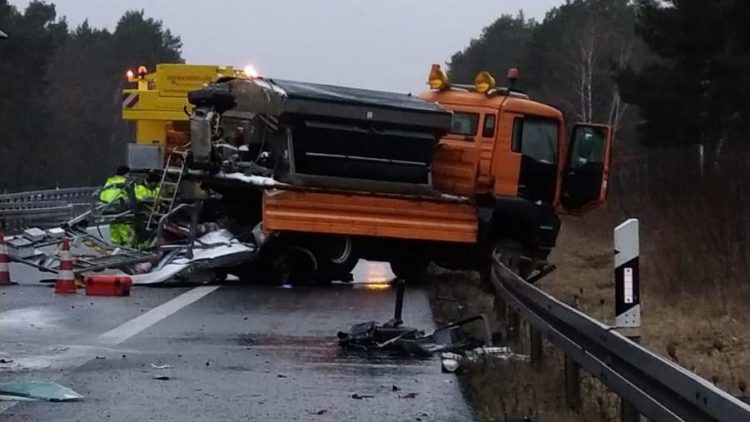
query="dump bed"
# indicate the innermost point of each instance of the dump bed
(333, 136)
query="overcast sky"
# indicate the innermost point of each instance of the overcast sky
(379, 44)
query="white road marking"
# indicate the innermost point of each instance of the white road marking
(136, 325)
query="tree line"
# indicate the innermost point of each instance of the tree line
(662, 72)
(60, 93)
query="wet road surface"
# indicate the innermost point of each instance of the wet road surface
(238, 353)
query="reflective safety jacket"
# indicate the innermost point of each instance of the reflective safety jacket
(113, 190)
(144, 194)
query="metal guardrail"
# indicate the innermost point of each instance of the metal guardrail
(80, 195)
(658, 388)
(43, 208)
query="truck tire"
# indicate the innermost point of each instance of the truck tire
(337, 264)
(296, 266)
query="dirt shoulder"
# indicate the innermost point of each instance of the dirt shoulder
(703, 333)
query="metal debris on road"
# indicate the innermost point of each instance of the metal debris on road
(165, 366)
(318, 412)
(452, 362)
(38, 390)
(395, 337)
(357, 396)
(92, 252)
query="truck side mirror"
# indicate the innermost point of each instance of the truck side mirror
(584, 180)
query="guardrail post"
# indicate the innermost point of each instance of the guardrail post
(572, 384)
(627, 294)
(628, 413)
(572, 373)
(535, 343)
(512, 325)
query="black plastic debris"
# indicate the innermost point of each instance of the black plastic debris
(395, 337)
(318, 412)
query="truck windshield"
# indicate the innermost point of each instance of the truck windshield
(464, 124)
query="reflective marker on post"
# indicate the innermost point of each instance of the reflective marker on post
(627, 276)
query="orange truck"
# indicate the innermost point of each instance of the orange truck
(320, 176)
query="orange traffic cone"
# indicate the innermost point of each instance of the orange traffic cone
(4, 260)
(66, 283)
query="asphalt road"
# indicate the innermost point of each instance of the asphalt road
(238, 353)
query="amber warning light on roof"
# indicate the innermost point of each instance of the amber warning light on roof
(484, 82)
(142, 73)
(437, 79)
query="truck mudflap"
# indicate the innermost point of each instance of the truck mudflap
(362, 214)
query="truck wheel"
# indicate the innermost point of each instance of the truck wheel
(336, 262)
(297, 265)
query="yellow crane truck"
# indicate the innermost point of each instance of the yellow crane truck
(318, 176)
(159, 107)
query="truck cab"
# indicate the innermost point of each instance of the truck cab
(516, 158)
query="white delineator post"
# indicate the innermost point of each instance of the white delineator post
(627, 278)
(627, 294)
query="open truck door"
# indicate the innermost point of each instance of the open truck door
(584, 179)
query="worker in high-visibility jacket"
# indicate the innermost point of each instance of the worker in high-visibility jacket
(115, 193)
(147, 197)
(148, 191)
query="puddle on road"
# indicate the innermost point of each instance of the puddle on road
(30, 317)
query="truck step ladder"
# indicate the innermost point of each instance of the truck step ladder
(169, 188)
